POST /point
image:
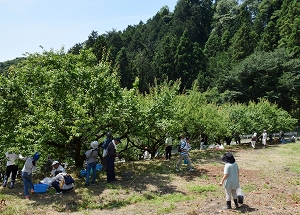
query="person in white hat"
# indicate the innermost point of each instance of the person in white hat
(91, 161)
(57, 168)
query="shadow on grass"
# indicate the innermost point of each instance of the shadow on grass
(157, 174)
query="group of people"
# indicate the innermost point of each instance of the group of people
(263, 137)
(28, 168)
(230, 179)
(109, 154)
(55, 180)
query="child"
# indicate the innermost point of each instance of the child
(28, 168)
(230, 179)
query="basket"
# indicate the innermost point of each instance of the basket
(83, 173)
(98, 167)
(40, 188)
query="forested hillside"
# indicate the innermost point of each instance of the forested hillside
(239, 52)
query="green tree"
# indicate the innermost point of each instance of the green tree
(153, 117)
(287, 24)
(99, 47)
(76, 48)
(242, 43)
(164, 59)
(64, 102)
(123, 65)
(184, 61)
(89, 43)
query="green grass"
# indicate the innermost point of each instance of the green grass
(248, 188)
(202, 189)
(166, 195)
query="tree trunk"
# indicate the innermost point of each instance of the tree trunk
(228, 140)
(78, 156)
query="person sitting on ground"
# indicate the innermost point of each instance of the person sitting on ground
(58, 182)
(56, 168)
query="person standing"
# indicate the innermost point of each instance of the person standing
(281, 136)
(105, 143)
(91, 161)
(11, 168)
(264, 136)
(230, 179)
(183, 154)
(110, 159)
(237, 139)
(253, 140)
(146, 154)
(202, 143)
(48, 165)
(168, 148)
(28, 168)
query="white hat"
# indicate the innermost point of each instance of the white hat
(54, 162)
(94, 144)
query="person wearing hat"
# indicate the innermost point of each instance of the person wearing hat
(230, 179)
(28, 168)
(110, 159)
(91, 161)
(57, 174)
(56, 168)
(183, 154)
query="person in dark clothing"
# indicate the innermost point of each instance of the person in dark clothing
(168, 147)
(108, 139)
(110, 159)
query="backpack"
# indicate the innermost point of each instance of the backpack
(179, 148)
(105, 143)
(68, 179)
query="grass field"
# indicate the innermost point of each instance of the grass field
(269, 179)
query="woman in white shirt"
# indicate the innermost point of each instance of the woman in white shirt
(28, 168)
(11, 168)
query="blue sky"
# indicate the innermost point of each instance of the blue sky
(28, 24)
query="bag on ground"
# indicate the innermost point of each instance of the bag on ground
(68, 179)
(240, 195)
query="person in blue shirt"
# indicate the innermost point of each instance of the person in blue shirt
(183, 154)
